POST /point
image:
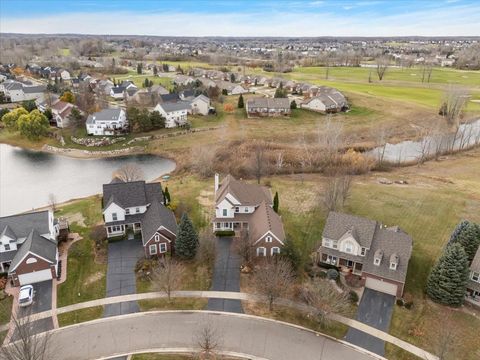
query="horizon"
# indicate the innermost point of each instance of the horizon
(244, 19)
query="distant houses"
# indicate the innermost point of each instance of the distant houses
(16, 91)
(107, 122)
(268, 107)
(229, 88)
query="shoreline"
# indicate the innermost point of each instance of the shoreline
(88, 154)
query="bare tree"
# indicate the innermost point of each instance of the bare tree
(258, 163)
(27, 344)
(167, 276)
(453, 105)
(203, 160)
(245, 248)
(447, 338)
(336, 192)
(279, 161)
(425, 145)
(129, 173)
(325, 300)
(273, 280)
(206, 248)
(208, 341)
(382, 138)
(427, 68)
(52, 201)
(330, 138)
(382, 63)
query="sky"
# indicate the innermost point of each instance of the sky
(286, 18)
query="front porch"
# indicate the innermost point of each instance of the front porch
(345, 265)
(123, 229)
(236, 226)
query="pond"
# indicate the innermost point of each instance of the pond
(405, 152)
(27, 178)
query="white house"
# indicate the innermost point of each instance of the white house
(175, 114)
(107, 122)
(65, 75)
(231, 88)
(17, 91)
(200, 105)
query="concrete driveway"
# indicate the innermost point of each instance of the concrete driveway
(147, 332)
(375, 310)
(122, 258)
(226, 276)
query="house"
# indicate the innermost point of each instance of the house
(147, 97)
(175, 113)
(17, 91)
(231, 88)
(104, 87)
(473, 284)
(327, 100)
(169, 98)
(183, 80)
(200, 105)
(107, 122)
(208, 83)
(259, 107)
(240, 206)
(376, 253)
(137, 208)
(118, 92)
(28, 247)
(188, 94)
(61, 111)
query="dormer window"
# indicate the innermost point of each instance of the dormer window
(363, 251)
(394, 261)
(114, 217)
(237, 209)
(393, 266)
(377, 258)
(225, 212)
(127, 211)
(137, 210)
(377, 261)
(476, 276)
(348, 247)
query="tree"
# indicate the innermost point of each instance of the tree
(68, 97)
(382, 66)
(293, 105)
(139, 68)
(187, 239)
(155, 70)
(291, 252)
(273, 280)
(245, 248)
(232, 77)
(469, 238)
(168, 276)
(336, 192)
(129, 173)
(207, 340)
(166, 196)
(447, 282)
(10, 119)
(3, 112)
(325, 300)
(203, 160)
(280, 92)
(447, 337)
(48, 113)
(52, 201)
(33, 125)
(241, 105)
(461, 226)
(29, 344)
(29, 105)
(258, 164)
(275, 202)
(453, 105)
(157, 121)
(75, 118)
(206, 248)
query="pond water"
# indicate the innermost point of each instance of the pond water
(27, 178)
(467, 136)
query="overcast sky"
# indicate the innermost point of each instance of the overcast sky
(243, 18)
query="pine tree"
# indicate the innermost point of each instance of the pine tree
(240, 102)
(293, 105)
(447, 281)
(458, 230)
(166, 196)
(469, 238)
(187, 239)
(275, 202)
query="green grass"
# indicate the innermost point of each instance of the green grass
(161, 357)
(64, 51)
(139, 80)
(79, 316)
(6, 309)
(174, 304)
(85, 277)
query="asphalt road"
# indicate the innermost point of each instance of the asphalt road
(122, 258)
(375, 310)
(226, 276)
(117, 336)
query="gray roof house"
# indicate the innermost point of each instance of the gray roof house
(107, 122)
(261, 107)
(137, 208)
(28, 247)
(379, 254)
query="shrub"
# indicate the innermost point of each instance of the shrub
(228, 107)
(409, 305)
(400, 302)
(332, 274)
(353, 296)
(221, 233)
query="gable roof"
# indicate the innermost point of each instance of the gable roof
(338, 224)
(264, 219)
(20, 225)
(131, 194)
(157, 215)
(104, 115)
(37, 245)
(246, 194)
(173, 97)
(176, 106)
(271, 103)
(475, 265)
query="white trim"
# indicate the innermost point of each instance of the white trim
(163, 227)
(150, 252)
(14, 268)
(264, 251)
(269, 233)
(160, 247)
(271, 250)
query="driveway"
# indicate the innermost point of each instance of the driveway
(42, 301)
(122, 258)
(146, 332)
(226, 276)
(375, 310)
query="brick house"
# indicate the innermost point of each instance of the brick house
(377, 253)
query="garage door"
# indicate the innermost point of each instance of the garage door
(34, 277)
(382, 286)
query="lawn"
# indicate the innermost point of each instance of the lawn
(161, 357)
(79, 316)
(174, 304)
(139, 80)
(6, 309)
(85, 273)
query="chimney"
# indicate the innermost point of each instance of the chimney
(217, 181)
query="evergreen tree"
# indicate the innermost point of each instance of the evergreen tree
(232, 77)
(155, 70)
(469, 238)
(166, 196)
(447, 281)
(292, 254)
(457, 231)
(139, 68)
(293, 105)
(275, 202)
(187, 239)
(240, 102)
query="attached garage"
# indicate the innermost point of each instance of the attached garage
(34, 277)
(382, 286)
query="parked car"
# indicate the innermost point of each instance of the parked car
(26, 296)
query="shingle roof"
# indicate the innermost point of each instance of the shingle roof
(180, 105)
(271, 103)
(165, 98)
(127, 194)
(157, 215)
(104, 115)
(22, 224)
(338, 224)
(475, 265)
(247, 194)
(38, 245)
(264, 219)
(34, 89)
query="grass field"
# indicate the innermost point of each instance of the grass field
(75, 317)
(5, 309)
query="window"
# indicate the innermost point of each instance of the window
(348, 247)
(153, 249)
(137, 210)
(246, 209)
(7, 247)
(327, 243)
(393, 266)
(275, 251)
(334, 244)
(114, 216)
(349, 263)
(268, 239)
(127, 211)
(225, 212)
(237, 209)
(476, 276)
(363, 251)
(31, 260)
(261, 251)
(331, 259)
(157, 238)
(377, 261)
(163, 247)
